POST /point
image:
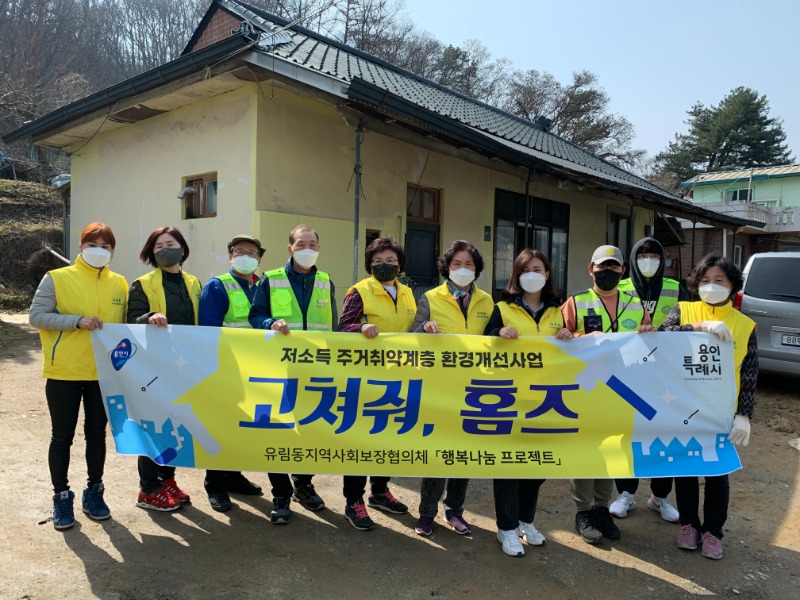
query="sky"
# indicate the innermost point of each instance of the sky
(654, 58)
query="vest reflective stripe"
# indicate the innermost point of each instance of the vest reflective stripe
(589, 303)
(448, 315)
(284, 304)
(670, 291)
(238, 303)
(550, 323)
(381, 310)
(153, 287)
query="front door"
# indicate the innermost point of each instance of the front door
(422, 252)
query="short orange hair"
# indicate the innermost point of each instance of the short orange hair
(97, 230)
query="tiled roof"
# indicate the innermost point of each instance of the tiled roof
(744, 174)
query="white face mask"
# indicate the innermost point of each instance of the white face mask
(532, 282)
(96, 257)
(462, 277)
(305, 258)
(244, 264)
(648, 266)
(711, 293)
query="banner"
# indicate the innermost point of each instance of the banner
(612, 405)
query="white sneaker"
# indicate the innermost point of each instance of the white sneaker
(620, 507)
(661, 505)
(510, 542)
(531, 535)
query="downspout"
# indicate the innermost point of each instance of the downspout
(724, 242)
(357, 198)
(528, 209)
(630, 234)
(694, 229)
(733, 244)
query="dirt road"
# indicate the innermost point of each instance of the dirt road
(197, 553)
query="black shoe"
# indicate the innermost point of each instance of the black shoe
(585, 525)
(356, 513)
(239, 484)
(220, 501)
(604, 522)
(280, 511)
(306, 496)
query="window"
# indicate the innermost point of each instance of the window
(423, 203)
(372, 235)
(617, 233)
(737, 256)
(200, 196)
(740, 195)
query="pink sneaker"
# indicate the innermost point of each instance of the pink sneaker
(688, 537)
(712, 546)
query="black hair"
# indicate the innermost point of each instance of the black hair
(731, 271)
(458, 246)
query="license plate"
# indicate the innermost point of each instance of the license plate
(790, 339)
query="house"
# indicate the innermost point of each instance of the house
(260, 125)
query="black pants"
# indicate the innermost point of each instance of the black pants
(217, 481)
(515, 500)
(660, 486)
(64, 401)
(715, 503)
(282, 486)
(151, 474)
(355, 486)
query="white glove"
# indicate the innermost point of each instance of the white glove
(740, 434)
(718, 328)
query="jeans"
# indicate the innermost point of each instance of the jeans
(63, 401)
(151, 474)
(355, 485)
(515, 500)
(660, 486)
(715, 503)
(592, 492)
(432, 490)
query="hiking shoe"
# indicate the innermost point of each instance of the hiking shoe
(171, 486)
(280, 510)
(459, 525)
(93, 503)
(63, 513)
(387, 502)
(424, 526)
(159, 500)
(239, 484)
(712, 546)
(356, 513)
(220, 501)
(688, 537)
(509, 540)
(604, 522)
(664, 508)
(585, 525)
(306, 496)
(620, 507)
(531, 535)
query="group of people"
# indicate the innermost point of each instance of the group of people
(74, 300)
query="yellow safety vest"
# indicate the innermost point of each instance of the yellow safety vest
(153, 286)
(380, 308)
(88, 292)
(284, 304)
(550, 323)
(589, 303)
(238, 302)
(447, 313)
(670, 290)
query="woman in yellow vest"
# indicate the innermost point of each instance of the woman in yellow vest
(456, 306)
(376, 304)
(529, 307)
(168, 295)
(68, 304)
(716, 279)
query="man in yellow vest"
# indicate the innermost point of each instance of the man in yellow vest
(225, 302)
(295, 297)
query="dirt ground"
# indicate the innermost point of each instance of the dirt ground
(197, 553)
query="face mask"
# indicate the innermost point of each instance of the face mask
(305, 258)
(532, 282)
(96, 257)
(648, 266)
(244, 264)
(607, 279)
(462, 277)
(169, 257)
(384, 272)
(711, 293)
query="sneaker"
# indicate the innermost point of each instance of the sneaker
(159, 500)
(93, 503)
(356, 513)
(620, 507)
(584, 524)
(280, 510)
(604, 522)
(459, 525)
(531, 535)
(220, 501)
(664, 508)
(306, 495)
(387, 502)
(509, 540)
(424, 526)
(712, 546)
(688, 537)
(239, 484)
(63, 513)
(171, 486)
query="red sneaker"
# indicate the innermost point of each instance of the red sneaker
(171, 486)
(158, 500)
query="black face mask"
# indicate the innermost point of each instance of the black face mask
(169, 257)
(607, 279)
(384, 272)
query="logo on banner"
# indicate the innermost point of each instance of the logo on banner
(122, 353)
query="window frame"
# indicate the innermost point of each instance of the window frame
(195, 202)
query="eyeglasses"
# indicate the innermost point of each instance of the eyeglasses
(242, 252)
(392, 262)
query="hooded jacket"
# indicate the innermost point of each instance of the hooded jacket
(658, 294)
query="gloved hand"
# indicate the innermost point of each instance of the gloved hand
(740, 433)
(718, 328)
